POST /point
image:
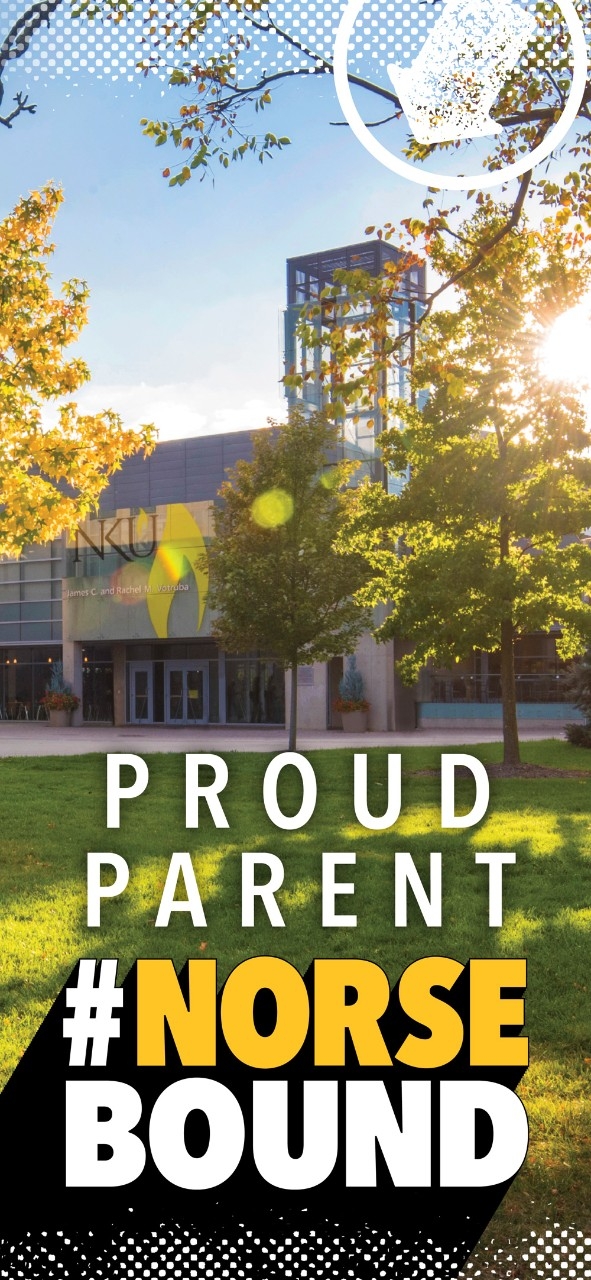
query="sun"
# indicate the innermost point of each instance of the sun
(565, 354)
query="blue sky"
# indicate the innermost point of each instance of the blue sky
(187, 284)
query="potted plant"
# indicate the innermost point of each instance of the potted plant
(351, 703)
(59, 701)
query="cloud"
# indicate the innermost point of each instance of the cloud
(184, 409)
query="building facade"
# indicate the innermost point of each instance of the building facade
(123, 603)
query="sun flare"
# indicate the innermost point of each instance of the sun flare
(566, 350)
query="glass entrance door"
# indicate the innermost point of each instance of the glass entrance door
(140, 693)
(187, 692)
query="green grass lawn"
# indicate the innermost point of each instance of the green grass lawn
(52, 811)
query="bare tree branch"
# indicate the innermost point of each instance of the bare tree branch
(16, 43)
(378, 90)
(21, 106)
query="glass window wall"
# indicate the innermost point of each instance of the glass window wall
(255, 691)
(24, 675)
(97, 684)
(540, 675)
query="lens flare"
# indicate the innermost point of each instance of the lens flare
(173, 561)
(130, 582)
(330, 479)
(272, 508)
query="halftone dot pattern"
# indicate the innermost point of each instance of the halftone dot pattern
(174, 1251)
(122, 44)
(554, 1252)
(395, 32)
(69, 45)
(233, 1253)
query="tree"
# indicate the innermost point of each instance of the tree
(15, 43)
(215, 47)
(212, 45)
(219, 70)
(50, 475)
(275, 578)
(483, 543)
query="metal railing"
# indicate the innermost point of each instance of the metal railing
(546, 687)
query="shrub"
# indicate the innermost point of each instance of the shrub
(351, 692)
(60, 701)
(578, 734)
(58, 694)
(578, 685)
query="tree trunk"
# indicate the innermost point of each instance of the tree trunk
(293, 708)
(510, 734)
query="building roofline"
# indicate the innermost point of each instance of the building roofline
(361, 246)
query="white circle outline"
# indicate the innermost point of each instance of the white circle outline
(451, 182)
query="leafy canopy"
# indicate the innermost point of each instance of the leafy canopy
(487, 529)
(215, 45)
(50, 476)
(214, 52)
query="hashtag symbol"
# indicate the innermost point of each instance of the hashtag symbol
(93, 1007)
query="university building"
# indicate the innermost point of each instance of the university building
(123, 603)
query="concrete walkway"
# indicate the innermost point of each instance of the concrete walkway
(36, 738)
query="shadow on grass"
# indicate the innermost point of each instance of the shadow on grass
(53, 812)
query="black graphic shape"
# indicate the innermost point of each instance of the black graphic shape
(386, 1227)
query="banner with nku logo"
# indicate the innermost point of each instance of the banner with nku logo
(139, 576)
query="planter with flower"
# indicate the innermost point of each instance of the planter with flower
(59, 701)
(351, 703)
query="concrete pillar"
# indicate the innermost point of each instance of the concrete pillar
(222, 686)
(405, 696)
(376, 664)
(312, 696)
(72, 663)
(118, 651)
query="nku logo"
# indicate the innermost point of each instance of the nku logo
(447, 93)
